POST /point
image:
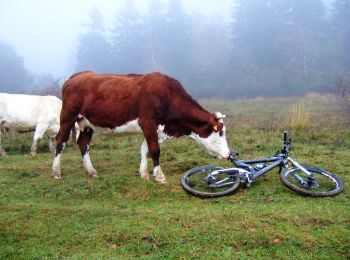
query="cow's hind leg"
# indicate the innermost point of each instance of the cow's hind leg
(2, 151)
(143, 165)
(39, 133)
(83, 142)
(51, 144)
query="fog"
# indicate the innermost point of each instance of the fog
(226, 48)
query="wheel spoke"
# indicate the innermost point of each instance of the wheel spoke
(320, 183)
(207, 181)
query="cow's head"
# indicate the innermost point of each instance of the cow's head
(213, 136)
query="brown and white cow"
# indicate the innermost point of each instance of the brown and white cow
(153, 104)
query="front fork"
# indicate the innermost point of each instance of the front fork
(310, 178)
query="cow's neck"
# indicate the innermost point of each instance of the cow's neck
(199, 121)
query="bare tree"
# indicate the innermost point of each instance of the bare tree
(343, 90)
(47, 85)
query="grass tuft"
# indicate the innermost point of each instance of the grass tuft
(298, 118)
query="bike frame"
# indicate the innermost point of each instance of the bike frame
(248, 173)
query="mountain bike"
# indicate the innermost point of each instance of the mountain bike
(211, 181)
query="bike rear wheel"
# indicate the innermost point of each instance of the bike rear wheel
(323, 183)
(196, 182)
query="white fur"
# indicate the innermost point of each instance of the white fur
(56, 165)
(131, 127)
(30, 113)
(88, 165)
(214, 143)
(162, 136)
(143, 165)
(158, 173)
(220, 116)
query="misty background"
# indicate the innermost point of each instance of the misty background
(226, 48)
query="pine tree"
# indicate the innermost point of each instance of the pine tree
(93, 51)
(168, 39)
(341, 22)
(129, 40)
(177, 54)
(280, 45)
(14, 77)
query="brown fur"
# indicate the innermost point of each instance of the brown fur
(111, 100)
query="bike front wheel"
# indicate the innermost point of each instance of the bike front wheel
(321, 184)
(199, 182)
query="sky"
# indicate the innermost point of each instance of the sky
(45, 32)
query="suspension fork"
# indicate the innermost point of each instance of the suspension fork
(298, 165)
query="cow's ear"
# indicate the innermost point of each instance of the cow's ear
(215, 128)
(219, 115)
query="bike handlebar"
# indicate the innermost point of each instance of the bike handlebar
(285, 136)
(287, 144)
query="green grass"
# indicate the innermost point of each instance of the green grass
(119, 215)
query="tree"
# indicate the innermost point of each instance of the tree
(129, 40)
(155, 25)
(14, 77)
(177, 57)
(209, 71)
(305, 37)
(169, 48)
(280, 43)
(46, 84)
(93, 51)
(256, 29)
(341, 28)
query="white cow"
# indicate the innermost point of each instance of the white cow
(29, 113)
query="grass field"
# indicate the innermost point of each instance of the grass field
(122, 216)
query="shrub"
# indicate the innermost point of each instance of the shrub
(47, 85)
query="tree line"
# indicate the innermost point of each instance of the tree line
(270, 48)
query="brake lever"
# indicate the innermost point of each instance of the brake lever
(232, 156)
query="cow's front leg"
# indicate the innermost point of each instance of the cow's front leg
(151, 135)
(143, 165)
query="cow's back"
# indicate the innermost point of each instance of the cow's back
(106, 100)
(110, 100)
(25, 111)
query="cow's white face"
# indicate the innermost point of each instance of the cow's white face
(216, 142)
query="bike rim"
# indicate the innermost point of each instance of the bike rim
(321, 182)
(199, 182)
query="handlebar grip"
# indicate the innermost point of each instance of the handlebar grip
(285, 134)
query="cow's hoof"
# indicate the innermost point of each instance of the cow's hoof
(145, 175)
(161, 180)
(56, 177)
(56, 174)
(33, 153)
(93, 175)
